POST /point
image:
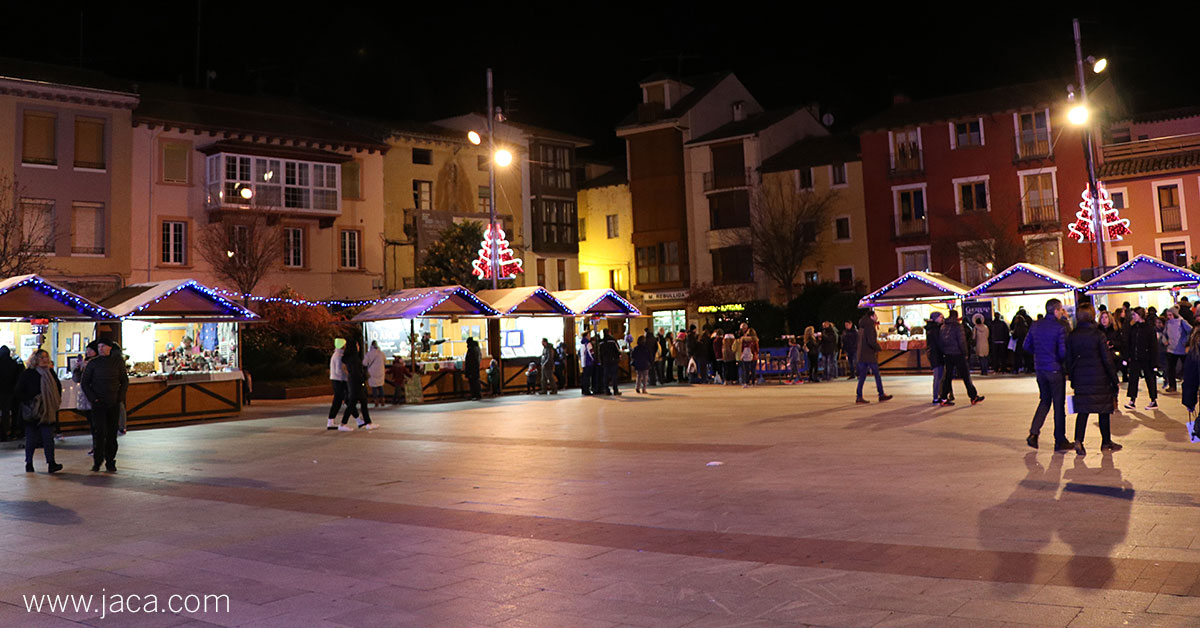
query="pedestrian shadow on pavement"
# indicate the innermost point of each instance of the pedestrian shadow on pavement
(39, 512)
(1174, 431)
(895, 417)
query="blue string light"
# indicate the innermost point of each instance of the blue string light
(230, 308)
(949, 291)
(1024, 268)
(70, 299)
(620, 301)
(1102, 280)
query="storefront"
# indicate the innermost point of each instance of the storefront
(902, 308)
(527, 315)
(1144, 281)
(1026, 286)
(669, 320)
(430, 327)
(722, 316)
(182, 348)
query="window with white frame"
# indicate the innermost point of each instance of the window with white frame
(293, 247)
(1118, 198)
(968, 133)
(1174, 252)
(971, 194)
(906, 150)
(912, 259)
(268, 182)
(1040, 193)
(325, 187)
(87, 228)
(422, 194)
(910, 211)
(1033, 134)
(611, 222)
(174, 242)
(348, 257)
(1170, 208)
(837, 174)
(37, 223)
(245, 180)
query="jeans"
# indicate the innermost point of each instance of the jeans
(1145, 370)
(1000, 356)
(829, 363)
(957, 364)
(794, 370)
(549, 382)
(668, 370)
(44, 433)
(1081, 427)
(643, 378)
(1172, 360)
(873, 368)
(983, 365)
(105, 419)
(1052, 390)
(939, 373)
(585, 381)
(6, 416)
(814, 363)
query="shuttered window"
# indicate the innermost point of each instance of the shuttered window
(89, 143)
(351, 185)
(38, 140)
(175, 162)
(87, 228)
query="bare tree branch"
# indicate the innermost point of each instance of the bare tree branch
(994, 243)
(27, 234)
(243, 248)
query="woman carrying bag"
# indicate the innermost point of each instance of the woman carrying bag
(39, 394)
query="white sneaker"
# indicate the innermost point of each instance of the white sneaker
(368, 426)
(331, 424)
(345, 428)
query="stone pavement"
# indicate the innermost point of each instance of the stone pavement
(597, 512)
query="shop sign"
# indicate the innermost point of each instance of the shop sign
(728, 307)
(674, 295)
(971, 308)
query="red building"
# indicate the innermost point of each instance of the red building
(957, 183)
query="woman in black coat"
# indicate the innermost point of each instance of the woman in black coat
(1093, 377)
(1114, 337)
(1141, 353)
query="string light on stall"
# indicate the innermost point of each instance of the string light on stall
(81, 305)
(981, 288)
(868, 300)
(1137, 261)
(621, 300)
(231, 308)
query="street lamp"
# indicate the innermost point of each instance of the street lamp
(502, 158)
(1078, 116)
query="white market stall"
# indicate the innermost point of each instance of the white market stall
(527, 315)
(602, 306)
(1026, 286)
(1144, 281)
(913, 297)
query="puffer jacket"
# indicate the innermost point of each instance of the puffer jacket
(868, 341)
(1141, 343)
(104, 379)
(933, 343)
(1177, 335)
(1047, 341)
(829, 341)
(954, 339)
(1092, 370)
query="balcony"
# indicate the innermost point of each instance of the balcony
(907, 164)
(1040, 213)
(915, 227)
(296, 188)
(1032, 148)
(716, 181)
(1171, 219)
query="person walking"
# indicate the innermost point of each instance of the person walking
(1093, 377)
(337, 378)
(1177, 332)
(933, 350)
(549, 383)
(983, 343)
(850, 348)
(999, 335)
(954, 352)
(471, 365)
(104, 382)
(1141, 343)
(868, 356)
(356, 387)
(375, 364)
(749, 358)
(812, 349)
(9, 374)
(830, 346)
(1191, 380)
(1047, 341)
(39, 394)
(641, 362)
(1020, 331)
(610, 356)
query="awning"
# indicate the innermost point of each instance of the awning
(1025, 278)
(1143, 273)
(604, 302)
(440, 302)
(179, 299)
(916, 287)
(530, 300)
(29, 296)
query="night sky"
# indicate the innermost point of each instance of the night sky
(575, 66)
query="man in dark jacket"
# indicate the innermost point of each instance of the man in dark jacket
(1021, 324)
(471, 368)
(850, 347)
(1000, 336)
(1093, 377)
(549, 382)
(933, 349)
(8, 382)
(1141, 346)
(610, 356)
(954, 354)
(868, 356)
(1047, 341)
(104, 382)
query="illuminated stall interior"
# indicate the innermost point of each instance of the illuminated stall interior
(37, 313)
(1144, 281)
(450, 314)
(598, 308)
(1027, 286)
(913, 296)
(527, 315)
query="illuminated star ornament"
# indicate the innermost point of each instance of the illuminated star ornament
(482, 266)
(1115, 227)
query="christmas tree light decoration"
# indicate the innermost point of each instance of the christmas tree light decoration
(494, 239)
(1115, 227)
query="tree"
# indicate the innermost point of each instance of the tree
(785, 228)
(448, 260)
(243, 249)
(26, 235)
(996, 244)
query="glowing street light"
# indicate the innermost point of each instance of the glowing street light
(474, 138)
(503, 158)
(246, 193)
(1098, 65)
(1078, 115)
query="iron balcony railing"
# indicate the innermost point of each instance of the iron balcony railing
(1171, 219)
(907, 163)
(917, 226)
(1040, 212)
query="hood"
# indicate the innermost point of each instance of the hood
(4, 352)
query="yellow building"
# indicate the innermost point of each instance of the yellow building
(823, 164)
(606, 253)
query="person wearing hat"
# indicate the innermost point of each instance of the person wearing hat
(104, 383)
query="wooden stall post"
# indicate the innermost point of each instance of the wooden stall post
(572, 370)
(494, 343)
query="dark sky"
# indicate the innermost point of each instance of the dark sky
(576, 69)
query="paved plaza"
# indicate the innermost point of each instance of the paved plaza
(697, 507)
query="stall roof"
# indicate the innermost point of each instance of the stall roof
(530, 300)
(1143, 273)
(30, 296)
(916, 287)
(1025, 278)
(440, 302)
(604, 302)
(174, 300)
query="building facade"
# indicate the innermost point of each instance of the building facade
(606, 253)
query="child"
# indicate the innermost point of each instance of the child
(531, 378)
(493, 377)
(640, 356)
(813, 347)
(793, 361)
(399, 379)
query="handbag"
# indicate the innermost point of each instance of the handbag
(1012, 344)
(32, 410)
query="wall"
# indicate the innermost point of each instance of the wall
(599, 254)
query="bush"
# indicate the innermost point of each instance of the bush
(769, 322)
(292, 341)
(822, 302)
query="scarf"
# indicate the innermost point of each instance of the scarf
(51, 397)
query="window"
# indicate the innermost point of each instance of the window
(1122, 257)
(241, 238)
(972, 271)
(481, 162)
(422, 156)
(1033, 134)
(658, 263)
(1174, 253)
(349, 249)
(1118, 200)
(913, 259)
(841, 228)
(968, 134)
(325, 187)
(296, 181)
(729, 210)
(1169, 212)
(554, 167)
(973, 196)
(352, 180)
(732, 264)
(293, 247)
(175, 166)
(1041, 203)
(37, 222)
(810, 276)
(273, 183)
(174, 242)
(562, 274)
(558, 222)
(804, 179)
(838, 176)
(87, 228)
(1046, 251)
(846, 277)
(38, 144)
(541, 272)
(582, 229)
(89, 143)
(613, 225)
(422, 194)
(614, 277)
(911, 207)
(906, 150)
(485, 199)
(808, 232)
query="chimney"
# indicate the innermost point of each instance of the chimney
(739, 111)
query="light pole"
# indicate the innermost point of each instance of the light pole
(1078, 116)
(501, 157)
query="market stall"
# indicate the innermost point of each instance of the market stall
(36, 313)
(430, 327)
(902, 307)
(1144, 281)
(182, 349)
(527, 315)
(602, 309)
(1023, 286)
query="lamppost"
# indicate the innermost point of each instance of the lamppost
(1078, 116)
(500, 157)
